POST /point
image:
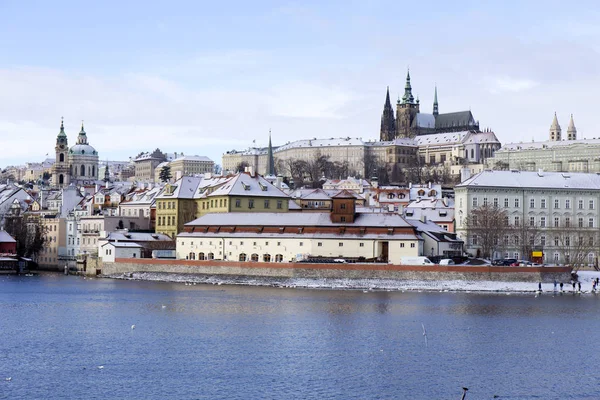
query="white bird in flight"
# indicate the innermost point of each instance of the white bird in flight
(425, 334)
(132, 327)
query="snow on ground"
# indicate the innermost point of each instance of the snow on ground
(585, 277)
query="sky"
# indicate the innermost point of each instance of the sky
(204, 77)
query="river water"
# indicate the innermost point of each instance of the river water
(235, 342)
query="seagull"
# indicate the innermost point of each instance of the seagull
(164, 306)
(132, 327)
(101, 367)
(425, 334)
(9, 379)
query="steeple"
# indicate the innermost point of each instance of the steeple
(408, 96)
(571, 130)
(270, 160)
(388, 122)
(555, 131)
(62, 128)
(435, 103)
(82, 137)
(106, 173)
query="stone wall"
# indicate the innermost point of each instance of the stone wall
(347, 271)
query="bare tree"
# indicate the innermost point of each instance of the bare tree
(575, 244)
(526, 237)
(486, 228)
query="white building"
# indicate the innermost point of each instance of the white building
(559, 211)
(285, 237)
(111, 250)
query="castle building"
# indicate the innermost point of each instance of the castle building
(410, 121)
(554, 154)
(77, 165)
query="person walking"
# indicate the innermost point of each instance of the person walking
(555, 283)
(561, 287)
(540, 287)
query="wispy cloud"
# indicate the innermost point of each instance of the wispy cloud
(509, 84)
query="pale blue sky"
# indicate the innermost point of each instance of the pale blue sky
(205, 77)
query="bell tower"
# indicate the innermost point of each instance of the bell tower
(60, 170)
(555, 131)
(406, 111)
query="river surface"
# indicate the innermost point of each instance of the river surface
(233, 342)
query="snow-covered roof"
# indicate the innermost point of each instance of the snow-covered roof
(529, 179)
(548, 144)
(192, 158)
(122, 244)
(183, 188)
(244, 184)
(136, 237)
(480, 137)
(441, 138)
(296, 219)
(347, 141)
(6, 238)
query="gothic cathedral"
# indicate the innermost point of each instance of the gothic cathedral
(410, 122)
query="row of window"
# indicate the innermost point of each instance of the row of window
(166, 205)
(165, 221)
(558, 241)
(319, 244)
(532, 203)
(543, 222)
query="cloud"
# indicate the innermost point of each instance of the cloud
(502, 84)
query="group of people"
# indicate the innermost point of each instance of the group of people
(576, 284)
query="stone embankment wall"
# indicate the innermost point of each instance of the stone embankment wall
(347, 271)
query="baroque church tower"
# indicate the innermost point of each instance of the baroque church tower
(555, 131)
(60, 170)
(406, 111)
(388, 122)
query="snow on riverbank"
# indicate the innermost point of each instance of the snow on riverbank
(585, 277)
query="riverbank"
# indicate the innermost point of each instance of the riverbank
(467, 286)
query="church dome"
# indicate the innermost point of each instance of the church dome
(83, 149)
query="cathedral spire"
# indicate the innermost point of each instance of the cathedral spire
(571, 130)
(408, 96)
(388, 121)
(271, 160)
(435, 103)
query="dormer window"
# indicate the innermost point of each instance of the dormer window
(263, 187)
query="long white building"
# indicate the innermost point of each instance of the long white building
(557, 212)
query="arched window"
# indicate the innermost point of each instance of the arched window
(266, 257)
(83, 170)
(201, 256)
(243, 257)
(61, 178)
(192, 256)
(472, 153)
(93, 170)
(210, 256)
(254, 257)
(390, 195)
(278, 257)
(61, 157)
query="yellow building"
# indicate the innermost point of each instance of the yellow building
(243, 192)
(191, 197)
